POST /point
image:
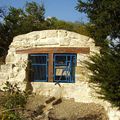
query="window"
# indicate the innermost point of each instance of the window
(56, 65)
(64, 68)
(39, 67)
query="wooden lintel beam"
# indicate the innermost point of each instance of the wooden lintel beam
(84, 50)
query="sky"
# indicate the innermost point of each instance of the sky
(61, 9)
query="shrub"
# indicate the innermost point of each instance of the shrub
(13, 102)
(106, 74)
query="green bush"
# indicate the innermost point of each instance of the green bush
(13, 102)
(106, 74)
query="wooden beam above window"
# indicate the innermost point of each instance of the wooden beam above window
(84, 50)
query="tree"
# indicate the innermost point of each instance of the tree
(104, 18)
(38, 11)
(2, 15)
(54, 23)
(17, 21)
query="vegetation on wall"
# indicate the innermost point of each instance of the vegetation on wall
(105, 29)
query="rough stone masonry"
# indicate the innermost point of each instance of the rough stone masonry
(14, 70)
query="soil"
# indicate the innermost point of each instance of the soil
(51, 108)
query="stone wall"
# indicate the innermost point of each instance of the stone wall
(49, 38)
(15, 68)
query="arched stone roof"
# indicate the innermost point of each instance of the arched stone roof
(51, 38)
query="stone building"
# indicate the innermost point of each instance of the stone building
(52, 61)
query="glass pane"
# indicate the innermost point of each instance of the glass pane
(64, 67)
(60, 59)
(74, 60)
(38, 59)
(39, 67)
(39, 72)
(68, 58)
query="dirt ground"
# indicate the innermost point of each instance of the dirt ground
(51, 108)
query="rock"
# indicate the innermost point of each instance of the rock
(58, 101)
(50, 100)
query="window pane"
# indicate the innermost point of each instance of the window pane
(60, 59)
(39, 67)
(64, 67)
(36, 59)
(38, 72)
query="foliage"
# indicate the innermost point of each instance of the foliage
(38, 11)
(105, 29)
(13, 101)
(104, 16)
(54, 23)
(18, 21)
(106, 69)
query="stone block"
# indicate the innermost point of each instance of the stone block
(62, 33)
(73, 35)
(52, 34)
(77, 43)
(33, 36)
(48, 41)
(64, 41)
(21, 59)
(3, 76)
(19, 38)
(43, 34)
(6, 68)
(84, 38)
(10, 58)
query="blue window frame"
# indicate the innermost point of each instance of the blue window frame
(39, 67)
(64, 68)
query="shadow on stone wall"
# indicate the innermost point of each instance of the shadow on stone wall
(29, 87)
